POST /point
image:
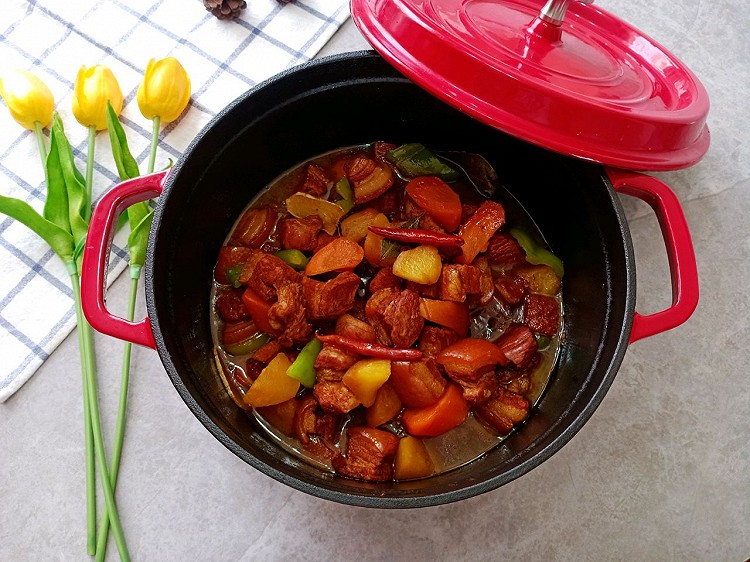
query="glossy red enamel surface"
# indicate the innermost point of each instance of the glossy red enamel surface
(594, 88)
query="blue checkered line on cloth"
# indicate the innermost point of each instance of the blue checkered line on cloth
(53, 38)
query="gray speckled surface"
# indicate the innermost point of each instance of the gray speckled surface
(660, 472)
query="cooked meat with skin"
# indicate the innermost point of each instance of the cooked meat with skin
(330, 299)
(335, 397)
(267, 352)
(384, 279)
(481, 390)
(458, 280)
(331, 357)
(300, 234)
(504, 410)
(518, 344)
(287, 316)
(504, 250)
(315, 181)
(267, 274)
(402, 314)
(375, 312)
(511, 289)
(542, 314)
(434, 339)
(230, 307)
(369, 454)
(417, 383)
(352, 327)
(314, 430)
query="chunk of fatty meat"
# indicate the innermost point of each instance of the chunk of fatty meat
(503, 411)
(267, 352)
(542, 314)
(351, 327)
(458, 280)
(312, 429)
(481, 390)
(335, 397)
(369, 178)
(384, 279)
(511, 289)
(470, 358)
(331, 357)
(375, 312)
(266, 274)
(402, 314)
(330, 299)
(504, 250)
(518, 344)
(300, 234)
(417, 383)
(369, 454)
(434, 339)
(230, 307)
(287, 316)
(315, 181)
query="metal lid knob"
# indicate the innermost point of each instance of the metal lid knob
(554, 10)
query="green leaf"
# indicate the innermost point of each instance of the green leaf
(391, 249)
(79, 204)
(58, 239)
(140, 217)
(127, 167)
(56, 204)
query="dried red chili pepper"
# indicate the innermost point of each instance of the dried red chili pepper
(371, 349)
(417, 236)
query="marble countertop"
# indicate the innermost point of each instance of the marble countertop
(660, 472)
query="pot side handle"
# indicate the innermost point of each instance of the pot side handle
(682, 265)
(96, 258)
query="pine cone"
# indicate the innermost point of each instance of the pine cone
(225, 9)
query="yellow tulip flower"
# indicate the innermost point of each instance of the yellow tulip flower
(165, 90)
(28, 98)
(94, 86)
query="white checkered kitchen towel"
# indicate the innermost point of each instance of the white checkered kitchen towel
(53, 38)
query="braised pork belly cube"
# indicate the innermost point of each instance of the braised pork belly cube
(481, 390)
(313, 429)
(267, 352)
(334, 397)
(417, 383)
(315, 181)
(230, 307)
(504, 250)
(518, 344)
(266, 274)
(510, 289)
(369, 454)
(458, 280)
(384, 279)
(287, 316)
(331, 357)
(327, 300)
(434, 339)
(503, 411)
(395, 316)
(542, 314)
(351, 327)
(300, 234)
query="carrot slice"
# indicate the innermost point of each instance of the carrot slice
(258, 309)
(439, 201)
(478, 230)
(448, 412)
(453, 315)
(341, 254)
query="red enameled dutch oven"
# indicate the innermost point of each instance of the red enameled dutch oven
(474, 104)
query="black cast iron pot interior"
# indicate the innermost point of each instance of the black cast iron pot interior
(354, 99)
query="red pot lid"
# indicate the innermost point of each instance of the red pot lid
(581, 82)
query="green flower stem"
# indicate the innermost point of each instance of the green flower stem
(88, 433)
(89, 369)
(114, 465)
(90, 161)
(155, 122)
(42, 148)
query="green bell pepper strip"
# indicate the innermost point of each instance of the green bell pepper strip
(415, 160)
(303, 368)
(535, 254)
(344, 188)
(253, 343)
(294, 258)
(233, 275)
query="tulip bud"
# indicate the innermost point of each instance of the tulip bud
(93, 87)
(165, 90)
(28, 98)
